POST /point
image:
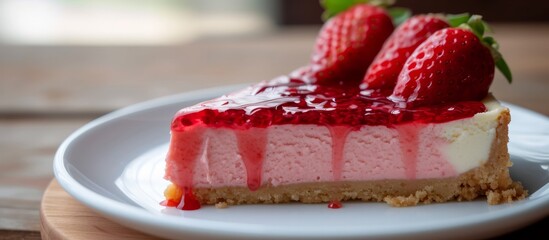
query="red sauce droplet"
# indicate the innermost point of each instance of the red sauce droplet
(251, 145)
(335, 204)
(169, 203)
(189, 201)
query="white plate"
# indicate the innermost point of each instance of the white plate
(114, 165)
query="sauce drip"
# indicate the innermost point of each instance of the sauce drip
(409, 145)
(251, 145)
(182, 160)
(339, 135)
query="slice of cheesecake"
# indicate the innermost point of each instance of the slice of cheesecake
(287, 140)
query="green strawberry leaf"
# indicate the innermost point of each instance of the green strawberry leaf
(456, 20)
(487, 27)
(399, 14)
(490, 41)
(502, 66)
(477, 25)
(333, 7)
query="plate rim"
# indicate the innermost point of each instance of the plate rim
(123, 213)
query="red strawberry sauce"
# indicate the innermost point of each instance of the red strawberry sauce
(335, 204)
(288, 100)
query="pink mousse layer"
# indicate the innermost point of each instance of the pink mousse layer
(305, 154)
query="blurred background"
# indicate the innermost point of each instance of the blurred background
(154, 22)
(133, 22)
(121, 52)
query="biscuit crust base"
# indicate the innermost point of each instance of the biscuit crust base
(491, 180)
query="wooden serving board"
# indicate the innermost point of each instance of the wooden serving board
(64, 218)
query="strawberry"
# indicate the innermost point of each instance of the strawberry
(454, 64)
(348, 43)
(382, 74)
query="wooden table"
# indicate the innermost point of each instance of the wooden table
(46, 92)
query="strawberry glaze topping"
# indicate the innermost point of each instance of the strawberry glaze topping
(288, 100)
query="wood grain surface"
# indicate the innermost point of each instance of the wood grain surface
(47, 92)
(27, 147)
(64, 218)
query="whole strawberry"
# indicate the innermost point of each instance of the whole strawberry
(383, 72)
(454, 64)
(348, 43)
